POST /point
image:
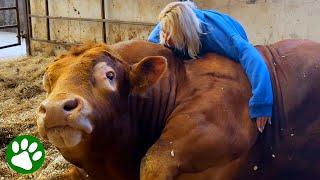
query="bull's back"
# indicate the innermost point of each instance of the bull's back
(292, 142)
(298, 71)
(295, 69)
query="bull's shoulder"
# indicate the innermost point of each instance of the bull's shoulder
(213, 66)
(214, 81)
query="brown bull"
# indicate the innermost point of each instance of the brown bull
(133, 110)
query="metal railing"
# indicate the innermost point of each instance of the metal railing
(16, 26)
(103, 20)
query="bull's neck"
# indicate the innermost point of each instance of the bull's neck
(150, 111)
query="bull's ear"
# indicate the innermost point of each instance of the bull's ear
(147, 72)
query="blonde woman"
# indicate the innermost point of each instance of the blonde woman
(191, 32)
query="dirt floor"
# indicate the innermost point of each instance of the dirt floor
(20, 94)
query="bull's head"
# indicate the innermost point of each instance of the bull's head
(87, 96)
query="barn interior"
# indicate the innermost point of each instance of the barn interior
(34, 32)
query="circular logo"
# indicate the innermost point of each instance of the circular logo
(25, 154)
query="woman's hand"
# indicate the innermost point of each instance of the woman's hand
(261, 122)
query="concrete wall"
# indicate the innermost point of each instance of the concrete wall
(266, 21)
(136, 11)
(66, 31)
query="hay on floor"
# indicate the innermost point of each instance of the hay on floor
(21, 93)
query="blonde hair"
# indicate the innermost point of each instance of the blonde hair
(183, 27)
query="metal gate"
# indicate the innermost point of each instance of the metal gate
(49, 17)
(16, 26)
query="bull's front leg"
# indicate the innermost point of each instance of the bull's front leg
(164, 159)
(160, 163)
(74, 173)
(191, 144)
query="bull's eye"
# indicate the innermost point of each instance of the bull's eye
(110, 75)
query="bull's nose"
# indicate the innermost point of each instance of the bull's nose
(65, 106)
(57, 112)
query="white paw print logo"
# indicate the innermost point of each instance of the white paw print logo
(25, 154)
(22, 159)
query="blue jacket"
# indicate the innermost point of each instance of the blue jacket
(225, 36)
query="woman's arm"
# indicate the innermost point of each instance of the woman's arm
(260, 104)
(155, 34)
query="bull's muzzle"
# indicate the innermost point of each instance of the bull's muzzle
(63, 118)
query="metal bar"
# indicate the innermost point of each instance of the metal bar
(53, 41)
(48, 20)
(29, 30)
(11, 45)
(7, 8)
(95, 20)
(29, 18)
(103, 16)
(18, 22)
(9, 26)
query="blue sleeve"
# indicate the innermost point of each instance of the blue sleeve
(227, 37)
(155, 35)
(260, 104)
